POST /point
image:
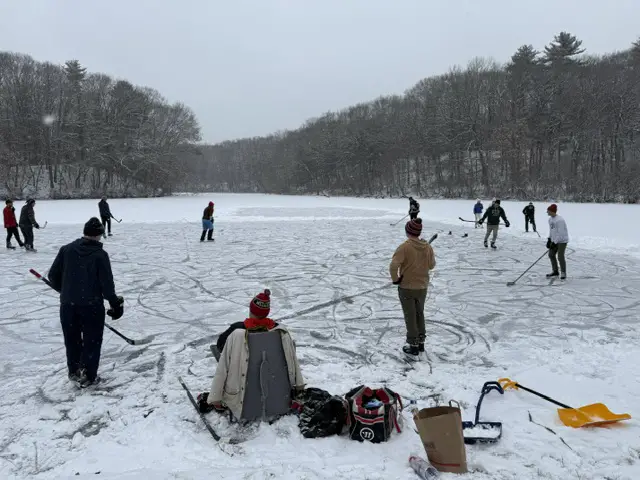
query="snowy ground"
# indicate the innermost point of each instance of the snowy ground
(325, 261)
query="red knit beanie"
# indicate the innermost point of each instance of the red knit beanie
(211, 204)
(260, 306)
(552, 208)
(414, 227)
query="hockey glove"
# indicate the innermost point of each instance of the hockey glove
(480, 222)
(203, 406)
(507, 224)
(398, 281)
(117, 309)
(36, 225)
(549, 243)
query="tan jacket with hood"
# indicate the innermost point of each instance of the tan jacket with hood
(412, 261)
(229, 382)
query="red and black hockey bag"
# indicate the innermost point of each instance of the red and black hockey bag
(373, 413)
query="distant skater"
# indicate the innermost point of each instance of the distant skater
(414, 209)
(477, 211)
(493, 215)
(105, 216)
(557, 242)
(11, 224)
(529, 217)
(27, 223)
(207, 223)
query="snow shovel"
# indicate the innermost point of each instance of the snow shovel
(592, 415)
(483, 432)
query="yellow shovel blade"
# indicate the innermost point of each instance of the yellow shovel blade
(590, 416)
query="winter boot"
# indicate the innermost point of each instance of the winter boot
(210, 235)
(204, 232)
(421, 347)
(411, 351)
(552, 274)
(110, 234)
(493, 245)
(84, 381)
(76, 377)
(10, 247)
(563, 276)
(486, 245)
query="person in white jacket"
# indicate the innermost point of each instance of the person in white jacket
(229, 382)
(557, 242)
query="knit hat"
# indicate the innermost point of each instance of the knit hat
(260, 306)
(211, 204)
(30, 201)
(552, 208)
(93, 228)
(414, 227)
(498, 201)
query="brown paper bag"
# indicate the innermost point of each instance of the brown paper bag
(440, 430)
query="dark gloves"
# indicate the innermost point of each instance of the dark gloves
(480, 222)
(36, 225)
(203, 406)
(117, 308)
(399, 281)
(206, 407)
(550, 244)
(507, 224)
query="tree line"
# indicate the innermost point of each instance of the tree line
(66, 133)
(555, 124)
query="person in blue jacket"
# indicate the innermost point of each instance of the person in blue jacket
(477, 211)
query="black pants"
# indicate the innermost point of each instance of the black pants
(27, 233)
(82, 327)
(413, 215)
(13, 232)
(527, 221)
(106, 223)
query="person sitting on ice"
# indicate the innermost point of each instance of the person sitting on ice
(229, 382)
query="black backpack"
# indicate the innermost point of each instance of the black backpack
(321, 414)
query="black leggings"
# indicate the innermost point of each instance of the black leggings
(106, 223)
(13, 232)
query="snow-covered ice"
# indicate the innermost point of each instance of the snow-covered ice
(326, 262)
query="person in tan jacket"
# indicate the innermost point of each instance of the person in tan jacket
(409, 270)
(229, 382)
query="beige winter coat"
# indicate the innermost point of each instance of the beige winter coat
(229, 382)
(412, 261)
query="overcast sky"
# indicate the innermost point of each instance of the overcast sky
(251, 67)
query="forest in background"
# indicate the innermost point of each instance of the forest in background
(68, 134)
(552, 124)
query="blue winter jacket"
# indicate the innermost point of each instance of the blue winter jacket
(478, 207)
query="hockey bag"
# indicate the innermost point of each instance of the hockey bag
(372, 413)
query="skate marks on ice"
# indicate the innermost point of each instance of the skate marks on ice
(330, 287)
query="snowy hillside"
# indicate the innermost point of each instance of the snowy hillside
(327, 258)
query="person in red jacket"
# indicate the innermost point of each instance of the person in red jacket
(11, 224)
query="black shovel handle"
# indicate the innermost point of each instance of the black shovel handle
(486, 388)
(548, 399)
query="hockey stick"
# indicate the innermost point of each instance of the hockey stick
(394, 224)
(473, 221)
(208, 426)
(511, 284)
(119, 221)
(44, 226)
(126, 339)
